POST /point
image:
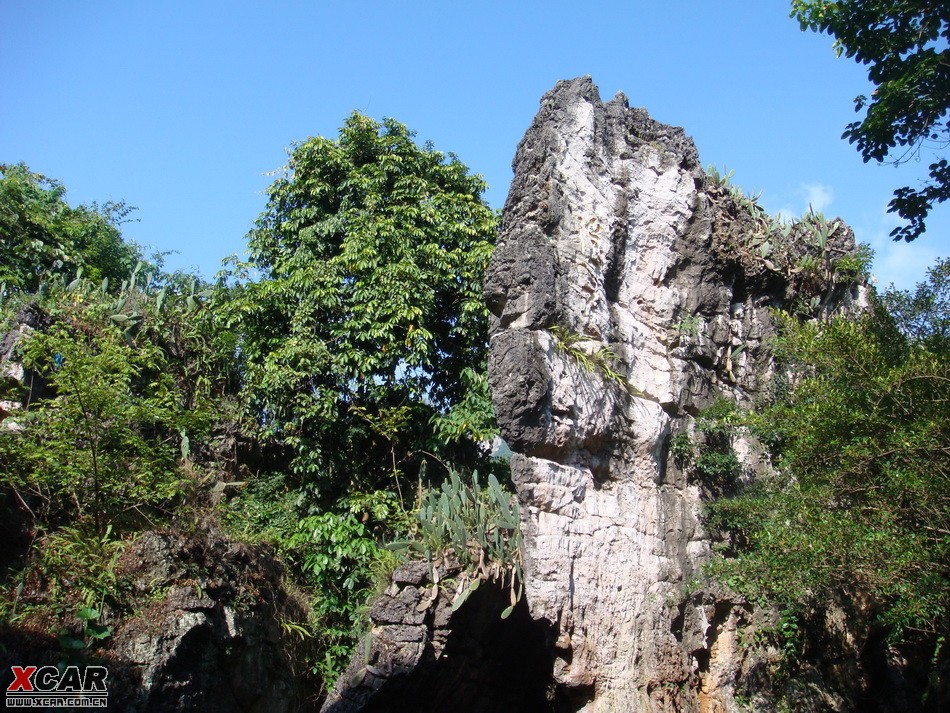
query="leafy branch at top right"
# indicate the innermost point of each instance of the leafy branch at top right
(904, 44)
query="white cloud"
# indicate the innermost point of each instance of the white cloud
(787, 213)
(896, 262)
(903, 264)
(818, 196)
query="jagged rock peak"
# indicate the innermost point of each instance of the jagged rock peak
(630, 292)
(614, 126)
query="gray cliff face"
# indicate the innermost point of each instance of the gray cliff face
(624, 304)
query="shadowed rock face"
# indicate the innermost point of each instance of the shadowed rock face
(213, 640)
(624, 304)
(424, 658)
(206, 634)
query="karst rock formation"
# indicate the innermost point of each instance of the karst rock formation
(629, 292)
(612, 247)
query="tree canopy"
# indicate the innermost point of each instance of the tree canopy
(367, 319)
(924, 314)
(859, 504)
(41, 234)
(309, 383)
(904, 43)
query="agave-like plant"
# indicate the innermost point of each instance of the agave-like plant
(479, 527)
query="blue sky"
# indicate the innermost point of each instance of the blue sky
(183, 108)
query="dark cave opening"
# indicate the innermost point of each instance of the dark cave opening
(488, 665)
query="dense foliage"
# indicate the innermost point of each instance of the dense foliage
(346, 352)
(923, 316)
(904, 45)
(362, 344)
(98, 442)
(858, 507)
(42, 235)
(366, 326)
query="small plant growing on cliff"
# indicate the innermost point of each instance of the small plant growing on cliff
(721, 179)
(718, 466)
(711, 457)
(600, 361)
(723, 182)
(73, 643)
(681, 448)
(334, 555)
(856, 266)
(478, 527)
(689, 325)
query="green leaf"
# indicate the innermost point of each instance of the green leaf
(460, 600)
(88, 614)
(98, 631)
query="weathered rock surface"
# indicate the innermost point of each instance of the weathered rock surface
(206, 634)
(627, 297)
(420, 656)
(211, 638)
(19, 386)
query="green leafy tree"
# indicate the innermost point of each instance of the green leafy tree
(126, 396)
(92, 446)
(363, 348)
(42, 235)
(859, 506)
(904, 43)
(924, 315)
(119, 437)
(368, 306)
